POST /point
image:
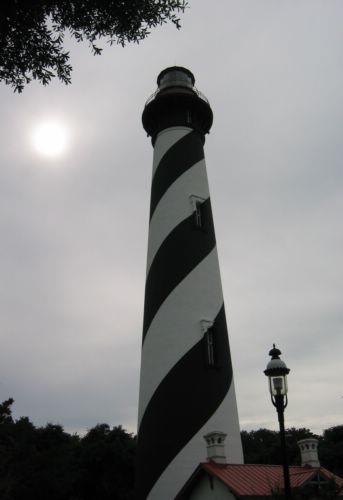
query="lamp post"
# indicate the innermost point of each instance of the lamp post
(277, 372)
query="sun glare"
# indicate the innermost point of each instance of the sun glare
(50, 138)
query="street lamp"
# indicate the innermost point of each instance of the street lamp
(277, 372)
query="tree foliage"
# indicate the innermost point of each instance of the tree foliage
(331, 449)
(263, 447)
(40, 463)
(32, 32)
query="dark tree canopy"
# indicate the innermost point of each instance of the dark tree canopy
(331, 449)
(40, 463)
(263, 445)
(32, 32)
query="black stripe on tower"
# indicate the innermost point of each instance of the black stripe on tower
(176, 411)
(185, 153)
(182, 250)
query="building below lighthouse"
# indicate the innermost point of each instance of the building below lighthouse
(186, 383)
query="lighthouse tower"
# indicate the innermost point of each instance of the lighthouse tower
(186, 384)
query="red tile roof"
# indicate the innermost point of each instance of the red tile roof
(261, 480)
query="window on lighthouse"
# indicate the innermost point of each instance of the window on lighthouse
(198, 215)
(210, 347)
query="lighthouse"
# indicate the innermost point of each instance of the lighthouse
(186, 382)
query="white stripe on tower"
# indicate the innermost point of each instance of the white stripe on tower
(180, 469)
(178, 319)
(165, 142)
(186, 387)
(175, 204)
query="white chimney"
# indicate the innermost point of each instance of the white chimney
(216, 447)
(309, 452)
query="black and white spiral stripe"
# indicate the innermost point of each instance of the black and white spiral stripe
(181, 397)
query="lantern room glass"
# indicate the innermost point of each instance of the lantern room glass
(176, 78)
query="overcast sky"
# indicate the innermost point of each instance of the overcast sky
(74, 227)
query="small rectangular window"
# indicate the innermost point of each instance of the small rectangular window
(210, 347)
(198, 211)
(198, 222)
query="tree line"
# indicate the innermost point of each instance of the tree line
(263, 447)
(39, 463)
